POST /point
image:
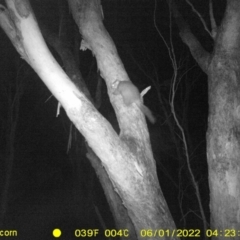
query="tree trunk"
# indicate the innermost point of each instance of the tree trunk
(127, 158)
(223, 139)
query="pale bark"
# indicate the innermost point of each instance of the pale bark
(128, 160)
(139, 187)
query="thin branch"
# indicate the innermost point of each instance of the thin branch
(212, 20)
(200, 17)
(183, 135)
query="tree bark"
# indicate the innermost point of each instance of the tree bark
(223, 139)
(127, 159)
(223, 146)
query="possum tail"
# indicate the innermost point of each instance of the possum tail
(147, 112)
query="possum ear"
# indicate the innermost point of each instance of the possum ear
(144, 91)
(147, 112)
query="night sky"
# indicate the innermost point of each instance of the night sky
(53, 187)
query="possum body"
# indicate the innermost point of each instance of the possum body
(130, 94)
(128, 91)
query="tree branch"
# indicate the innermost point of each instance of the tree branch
(200, 17)
(201, 56)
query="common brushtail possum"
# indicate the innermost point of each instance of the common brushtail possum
(130, 95)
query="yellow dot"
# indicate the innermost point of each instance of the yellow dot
(57, 232)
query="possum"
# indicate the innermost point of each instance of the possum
(130, 95)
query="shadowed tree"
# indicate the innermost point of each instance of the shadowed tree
(223, 149)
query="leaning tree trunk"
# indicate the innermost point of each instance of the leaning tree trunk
(127, 158)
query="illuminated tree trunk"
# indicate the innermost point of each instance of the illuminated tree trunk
(127, 158)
